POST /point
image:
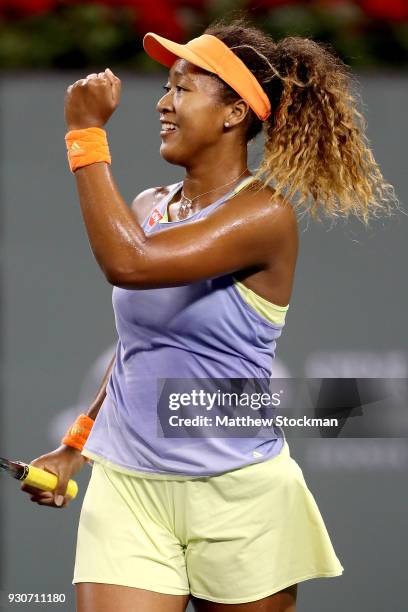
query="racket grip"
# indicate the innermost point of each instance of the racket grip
(47, 482)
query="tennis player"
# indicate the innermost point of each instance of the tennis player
(202, 274)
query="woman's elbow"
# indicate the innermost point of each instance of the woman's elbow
(125, 278)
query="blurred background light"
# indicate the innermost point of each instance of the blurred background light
(72, 34)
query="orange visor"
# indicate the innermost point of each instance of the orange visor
(211, 54)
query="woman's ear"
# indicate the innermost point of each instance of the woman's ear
(237, 112)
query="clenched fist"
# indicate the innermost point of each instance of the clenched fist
(90, 102)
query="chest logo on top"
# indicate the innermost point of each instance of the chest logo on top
(155, 217)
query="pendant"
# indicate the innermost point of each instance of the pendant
(184, 208)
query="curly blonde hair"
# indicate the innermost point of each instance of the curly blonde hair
(316, 152)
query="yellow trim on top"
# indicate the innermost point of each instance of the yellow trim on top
(273, 312)
(165, 218)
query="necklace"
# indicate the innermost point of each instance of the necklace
(186, 204)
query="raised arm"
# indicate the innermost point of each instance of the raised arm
(245, 232)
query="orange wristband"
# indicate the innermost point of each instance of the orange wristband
(78, 433)
(86, 146)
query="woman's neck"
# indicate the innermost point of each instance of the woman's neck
(217, 178)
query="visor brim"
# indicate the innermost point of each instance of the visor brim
(166, 52)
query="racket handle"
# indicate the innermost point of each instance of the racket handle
(47, 482)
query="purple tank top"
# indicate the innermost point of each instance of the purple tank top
(201, 330)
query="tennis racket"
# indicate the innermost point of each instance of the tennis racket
(35, 477)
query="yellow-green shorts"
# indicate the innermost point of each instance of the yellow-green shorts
(232, 538)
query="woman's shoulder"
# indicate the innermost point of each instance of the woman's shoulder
(257, 192)
(266, 219)
(270, 207)
(146, 200)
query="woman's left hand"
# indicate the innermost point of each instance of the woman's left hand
(90, 102)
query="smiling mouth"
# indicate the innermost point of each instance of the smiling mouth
(167, 128)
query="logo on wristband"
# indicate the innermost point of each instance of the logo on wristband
(76, 149)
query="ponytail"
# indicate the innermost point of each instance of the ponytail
(316, 153)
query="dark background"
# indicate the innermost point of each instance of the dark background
(347, 318)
